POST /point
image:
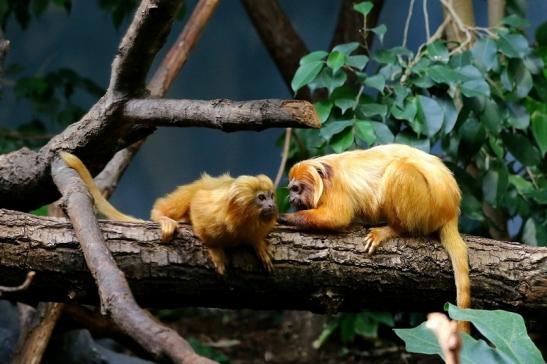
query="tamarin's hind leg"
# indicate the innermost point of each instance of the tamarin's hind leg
(219, 259)
(377, 235)
(261, 249)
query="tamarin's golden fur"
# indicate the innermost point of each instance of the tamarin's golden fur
(223, 211)
(412, 192)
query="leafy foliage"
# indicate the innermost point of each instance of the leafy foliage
(482, 110)
(24, 9)
(352, 325)
(505, 332)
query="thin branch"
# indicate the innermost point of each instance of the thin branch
(116, 297)
(447, 335)
(145, 36)
(223, 114)
(180, 51)
(26, 283)
(426, 18)
(407, 22)
(284, 157)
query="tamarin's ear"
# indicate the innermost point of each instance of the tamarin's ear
(320, 171)
(325, 172)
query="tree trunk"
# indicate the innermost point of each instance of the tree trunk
(316, 272)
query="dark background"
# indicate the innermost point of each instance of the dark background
(229, 61)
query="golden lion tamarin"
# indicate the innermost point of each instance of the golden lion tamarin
(412, 192)
(223, 211)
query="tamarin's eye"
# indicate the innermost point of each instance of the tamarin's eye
(261, 196)
(294, 188)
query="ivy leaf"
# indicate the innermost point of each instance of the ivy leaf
(335, 60)
(450, 114)
(344, 98)
(505, 330)
(365, 131)
(422, 144)
(377, 81)
(346, 48)
(443, 74)
(334, 127)
(513, 45)
(484, 54)
(328, 79)
(491, 117)
(313, 57)
(521, 149)
(494, 185)
(323, 109)
(383, 134)
(373, 109)
(539, 130)
(515, 21)
(408, 112)
(305, 74)
(433, 114)
(342, 141)
(437, 52)
(380, 31)
(359, 61)
(475, 88)
(364, 7)
(518, 116)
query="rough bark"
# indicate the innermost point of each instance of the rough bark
(314, 272)
(144, 38)
(223, 114)
(116, 298)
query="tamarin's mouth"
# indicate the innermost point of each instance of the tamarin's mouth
(267, 213)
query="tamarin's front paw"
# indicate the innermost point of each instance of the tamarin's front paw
(284, 219)
(168, 227)
(376, 236)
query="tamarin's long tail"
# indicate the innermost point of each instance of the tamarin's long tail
(457, 250)
(102, 204)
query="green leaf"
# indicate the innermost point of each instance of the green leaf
(359, 61)
(364, 130)
(208, 351)
(323, 109)
(364, 7)
(373, 109)
(491, 117)
(522, 185)
(342, 141)
(515, 21)
(539, 196)
(346, 48)
(282, 199)
(336, 60)
(494, 185)
(505, 330)
(443, 74)
(484, 54)
(334, 127)
(529, 232)
(471, 207)
(521, 149)
(497, 146)
(513, 45)
(539, 130)
(344, 98)
(383, 133)
(450, 114)
(521, 78)
(314, 57)
(433, 114)
(420, 340)
(437, 51)
(408, 112)
(366, 327)
(391, 72)
(475, 88)
(305, 74)
(380, 31)
(518, 116)
(377, 81)
(327, 79)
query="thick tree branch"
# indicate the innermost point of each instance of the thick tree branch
(311, 271)
(116, 298)
(144, 38)
(223, 114)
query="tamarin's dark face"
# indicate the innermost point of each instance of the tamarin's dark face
(266, 204)
(299, 195)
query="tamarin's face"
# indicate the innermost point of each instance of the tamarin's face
(305, 185)
(266, 204)
(299, 195)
